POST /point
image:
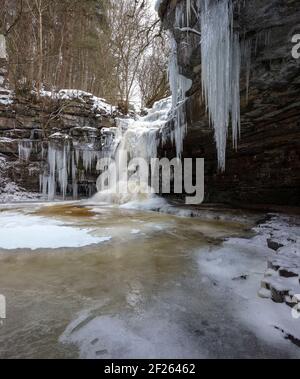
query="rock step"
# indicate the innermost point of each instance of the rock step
(286, 262)
(281, 290)
(274, 245)
(288, 272)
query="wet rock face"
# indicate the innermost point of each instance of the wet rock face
(265, 168)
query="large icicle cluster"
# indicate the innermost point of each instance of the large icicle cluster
(67, 165)
(59, 165)
(220, 59)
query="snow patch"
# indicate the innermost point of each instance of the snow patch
(19, 231)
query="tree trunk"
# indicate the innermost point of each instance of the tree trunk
(40, 63)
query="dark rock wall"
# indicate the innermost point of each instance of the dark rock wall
(266, 166)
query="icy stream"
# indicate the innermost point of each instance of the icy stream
(160, 286)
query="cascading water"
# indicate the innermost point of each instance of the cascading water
(134, 139)
(140, 138)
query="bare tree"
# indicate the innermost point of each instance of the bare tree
(152, 75)
(100, 46)
(133, 30)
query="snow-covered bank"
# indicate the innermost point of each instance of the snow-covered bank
(238, 267)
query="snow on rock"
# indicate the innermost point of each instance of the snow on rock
(59, 135)
(273, 311)
(99, 105)
(5, 97)
(282, 278)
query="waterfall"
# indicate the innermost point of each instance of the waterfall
(167, 120)
(134, 139)
(140, 138)
(69, 162)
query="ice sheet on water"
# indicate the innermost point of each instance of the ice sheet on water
(150, 334)
(19, 231)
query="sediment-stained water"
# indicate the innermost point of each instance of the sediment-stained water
(134, 289)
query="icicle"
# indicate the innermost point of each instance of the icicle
(179, 85)
(74, 176)
(52, 177)
(235, 90)
(25, 149)
(180, 15)
(188, 13)
(220, 59)
(68, 164)
(59, 163)
(246, 60)
(89, 158)
(62, 166)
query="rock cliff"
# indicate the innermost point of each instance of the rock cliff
(37, 134)
(265, 168)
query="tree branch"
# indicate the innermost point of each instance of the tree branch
(15, 21)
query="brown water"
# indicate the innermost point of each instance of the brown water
(139, 295)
